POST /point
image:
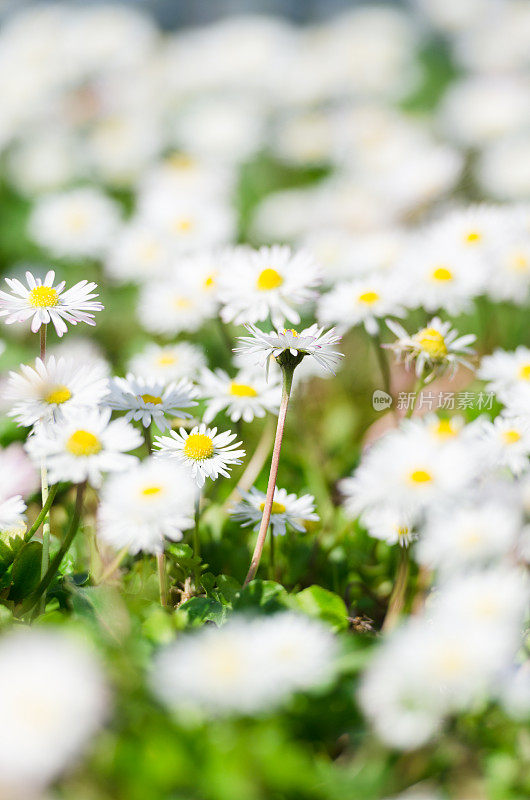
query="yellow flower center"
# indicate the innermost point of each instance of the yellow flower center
(242, 390)
(442, 274)
(432, 342)
(209, 281)
(43, 296)
(420, 476)
(368, 298)
(198, 446)
(444, 429)
(151, 398)
(291, 331)
(269, 279)
(472, 237)
(524, 372)
(149, 491)
(181, 302)
(59, 394)
(166, 359)
(402, 532)
(511, 436)
(518, 262)
(83, 443)
(77, 221)
(183, 225)
(277, 508)
(149, 252)
(181, 161)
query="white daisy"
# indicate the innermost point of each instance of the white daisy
(506, 442)
(50, 713)
(171, 306)
(11, 512)
(190, 222)
(311, 341)
(505, 371)
(288, 510)
(509, 276)
(206, 453)
(53, 389)
(78, 222)
(44, 302)
(149, 400)
(139, 508)
(168, 362)
(139, 253)
(392, 525)
(84, 447)
(434, 347)
(267, 282)
(246, 396)
(364, 300)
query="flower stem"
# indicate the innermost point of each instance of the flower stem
(255, 465)
(113, 566)
(397, 597)
(383, 363)
(42, 514)
(272, 570)
(40, 591)
(162, 578)
(148, 440)
(45, 561)
(197, 539)
(288, 371)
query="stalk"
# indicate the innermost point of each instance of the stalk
(162, 578)
(45, 561)
(197, 539)
(382, 360)
(288, 364)
(255, 465)
(42, 514)
(397, 598)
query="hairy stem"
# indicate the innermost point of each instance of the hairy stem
(42, 514)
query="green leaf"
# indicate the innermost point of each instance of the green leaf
(228, 589)
(25, 574)
(323, 604)
(262, 596)
(203, 609)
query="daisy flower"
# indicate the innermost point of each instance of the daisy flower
(362, 301)
(85, 446)
(171, 306)
(50, 713)
(435, 347)
(149, 400)
(205, 453)
(43, 302)
(391, 525)
(288, 510)
(11, 513)
(53, 389)
(168, 362)
(139, 253)
(311, 341)
(77, 223)
(141, 507)
(246, 396)
(506, 442)
(505, 371)
(267, 282)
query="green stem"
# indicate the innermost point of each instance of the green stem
(42, 514)
(272, 570)
(148, 440)
(40, 591)
(197, 540)
(382, 360)
(418, 388)
(162, 579)
(397, 598)
(45, 559)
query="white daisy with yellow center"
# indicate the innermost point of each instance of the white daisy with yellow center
(168, 363)
(203, 451)
(361, 301)
(176, 304)
(506, 442)
(53, 389)
(506, 371)
(435, 347)
(77, 223)
(139, 253)
(288, 511)
(42, 302)
(269, 282)
(149, 503)
(391, 525)
(148, 400)
(310, 341)
(84, 446)
(245, 396)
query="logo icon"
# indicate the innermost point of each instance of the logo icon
(381, 400)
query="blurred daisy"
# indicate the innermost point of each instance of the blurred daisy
(267, 282)
(50, 713)
(505, 371)
(509, 276)
(362, 301)
(53, 389)
(288, 510)
(85, 446)
(168, 362)
(205, 453)
(309, 342)
(171, 306)
(11, 512)
(149, 400)
(139, 253)
(190, 222)
(43, 302)
(435, 347)
(141, 507)
(246, 396)
(391, 525)
(76, 223)
(506, 442)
